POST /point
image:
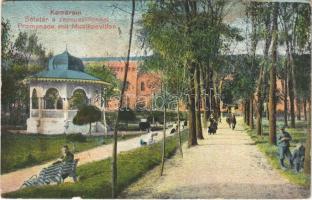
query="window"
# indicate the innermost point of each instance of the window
(142, 86)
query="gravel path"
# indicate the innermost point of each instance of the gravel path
(12, 181)
(226, 165)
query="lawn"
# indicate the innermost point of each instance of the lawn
(95, 178)
(298, 135)
(21, 150)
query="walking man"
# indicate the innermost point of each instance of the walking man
(283, 140)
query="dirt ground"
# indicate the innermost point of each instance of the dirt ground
(225, 165)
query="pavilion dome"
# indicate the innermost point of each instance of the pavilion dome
(65, 67)
(65, 61)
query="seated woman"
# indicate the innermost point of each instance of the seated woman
(67, 156)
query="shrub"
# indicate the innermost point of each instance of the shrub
(86, 115)
(76, 137)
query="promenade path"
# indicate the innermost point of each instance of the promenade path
(226, 165)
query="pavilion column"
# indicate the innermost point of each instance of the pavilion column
(40, 106)
(65, 108)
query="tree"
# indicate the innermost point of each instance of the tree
(260, 17)
(191, 33)
(114, 154)
(104, 73)
(21, 58)
(87, 114)
(272, 90)
(198, 103)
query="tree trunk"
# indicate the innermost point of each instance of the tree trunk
(251, 120)
(259, 103)
(307, 156)
(286, 98)
(192, 139)
(291, 89)
(247, 112)
(208, 86)
(204, 103)
(164, 138)
(114, 156)
(199, 130)
(246, 116)
(305, 109)
(272, 90)
(179, 131)
(298, 108)
(267, 111)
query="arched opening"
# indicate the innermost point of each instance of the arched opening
(34, 99)
(78, 99)
(52, 99)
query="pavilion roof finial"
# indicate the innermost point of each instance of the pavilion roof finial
(66, 46)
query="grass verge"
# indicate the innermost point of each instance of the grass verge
(271, 152)
(95, 178)
(20, 150)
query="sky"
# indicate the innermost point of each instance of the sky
(100, 43)
(81, 43)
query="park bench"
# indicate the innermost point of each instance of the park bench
(56, 173)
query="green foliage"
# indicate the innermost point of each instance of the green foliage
(158, 116)
(95, 177)
(244, 77)
(302, 75)
(87, 114)
(22, 57)
(105, 74)
(78, 99)
(126, 115)
(76, 137)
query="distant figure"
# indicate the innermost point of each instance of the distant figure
(228, 120)
(212, 129)
(233, 121)
(298, 157)
(142, 142)
(283, 140)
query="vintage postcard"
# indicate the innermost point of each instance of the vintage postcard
(156, 99)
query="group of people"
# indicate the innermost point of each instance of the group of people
(296, 159)
(213, 126)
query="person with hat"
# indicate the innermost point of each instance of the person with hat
(283, 140)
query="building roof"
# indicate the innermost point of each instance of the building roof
(65, 67)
